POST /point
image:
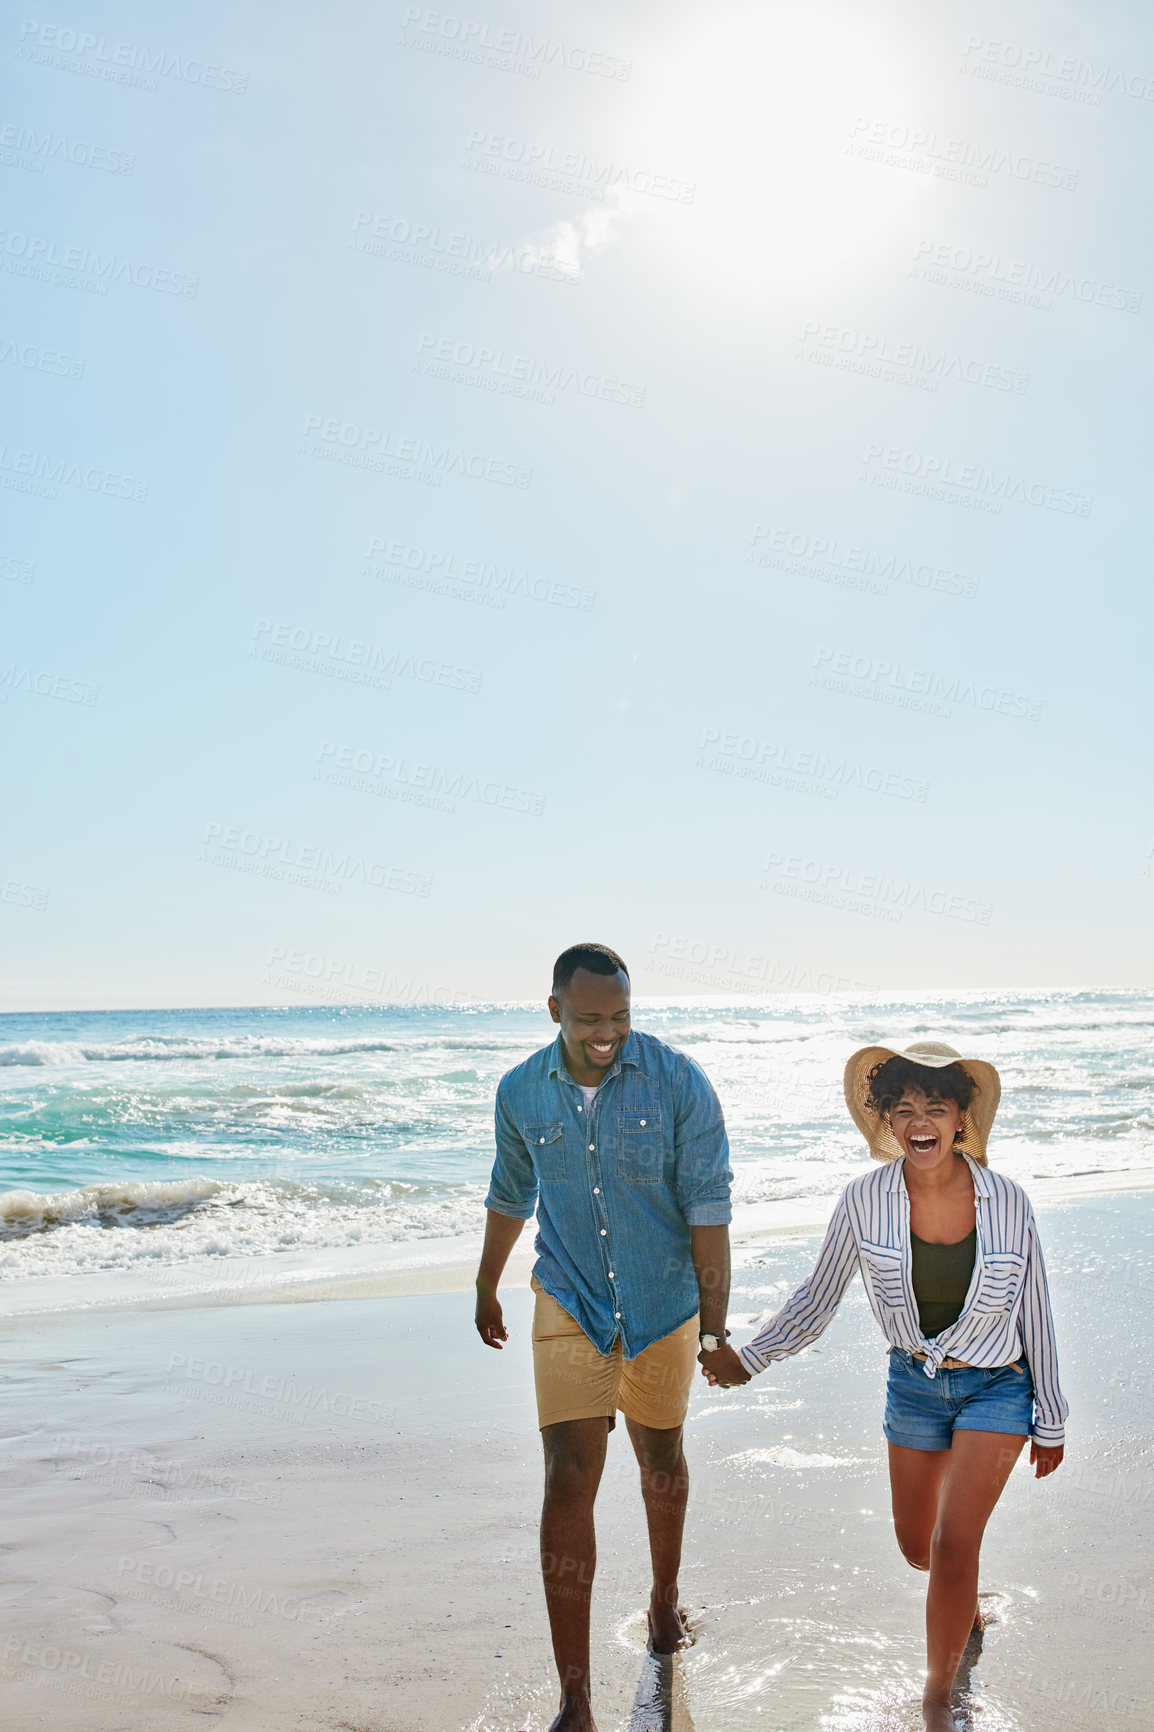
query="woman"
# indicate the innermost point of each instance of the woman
(953, 1269)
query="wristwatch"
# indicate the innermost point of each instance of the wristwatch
(710, 1343)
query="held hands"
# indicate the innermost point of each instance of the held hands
(1044, 1458)
(489, 1320)
(722, 1369)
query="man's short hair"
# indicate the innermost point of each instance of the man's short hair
(597, 958)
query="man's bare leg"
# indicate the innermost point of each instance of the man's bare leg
(665, 1488)
(574, 1458)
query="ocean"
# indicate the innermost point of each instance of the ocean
(134, 1138)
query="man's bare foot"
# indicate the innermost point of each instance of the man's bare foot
(938, 1717)
(668, 1628)
(979, 1628)
(576, 1716)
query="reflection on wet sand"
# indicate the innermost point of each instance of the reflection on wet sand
(660, 1704)
(963, 1700)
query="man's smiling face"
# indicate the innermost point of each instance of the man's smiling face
(593, 1011)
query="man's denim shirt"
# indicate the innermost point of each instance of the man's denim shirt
(616, 1188)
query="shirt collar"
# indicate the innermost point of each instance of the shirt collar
(630, 1054)
(895, 1179)
(983, 1186)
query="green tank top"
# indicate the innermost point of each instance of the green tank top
(941, 1276)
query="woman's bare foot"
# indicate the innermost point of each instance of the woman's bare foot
(938, 1717)
(989, 1613)
(668, 1628)
(576, 1716)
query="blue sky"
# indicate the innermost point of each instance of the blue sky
(670, 474)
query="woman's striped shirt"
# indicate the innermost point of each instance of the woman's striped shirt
(1007, 1308)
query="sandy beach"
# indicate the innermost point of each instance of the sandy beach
(572, 570)
(316, 1508)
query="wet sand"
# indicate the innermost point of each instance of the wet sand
(322, 1515)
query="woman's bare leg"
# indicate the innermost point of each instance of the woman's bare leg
(979, 1465)
(942, 1500)
(916, 1477)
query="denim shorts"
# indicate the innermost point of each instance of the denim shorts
(924, 1412)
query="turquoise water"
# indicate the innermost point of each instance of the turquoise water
(129, 1136)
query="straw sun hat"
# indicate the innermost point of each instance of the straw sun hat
(935, 1055)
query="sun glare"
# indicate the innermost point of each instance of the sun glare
(759, 118)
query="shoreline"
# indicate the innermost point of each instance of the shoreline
(412, 1266)
(300, 1517)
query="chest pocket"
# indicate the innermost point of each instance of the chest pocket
(546, 1144)
(1001, 1282)
(882, 1267)
(640, 1151)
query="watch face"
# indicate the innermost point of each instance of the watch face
(709, 1343)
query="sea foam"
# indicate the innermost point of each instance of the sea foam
(147, 1138)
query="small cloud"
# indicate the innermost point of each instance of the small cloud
(572, 241)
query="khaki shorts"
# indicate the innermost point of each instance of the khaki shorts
(574, 1381)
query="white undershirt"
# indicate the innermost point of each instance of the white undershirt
(588, 1093)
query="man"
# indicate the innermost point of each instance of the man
(619, 1142)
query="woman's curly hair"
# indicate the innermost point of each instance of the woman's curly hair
(889, 1081)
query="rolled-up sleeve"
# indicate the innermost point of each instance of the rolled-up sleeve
(701, 1150)
(513, 1184)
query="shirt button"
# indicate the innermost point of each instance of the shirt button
(643, 1121)
(590, 1146)
(597, 1190)
(604, 1230)
(611, 1274)
(541, 1139)
(617, 1315)
(578, 1109)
